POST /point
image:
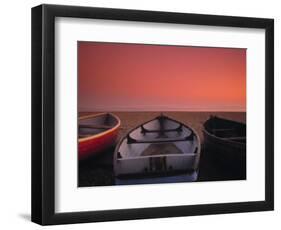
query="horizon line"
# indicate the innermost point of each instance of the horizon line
(159, 111)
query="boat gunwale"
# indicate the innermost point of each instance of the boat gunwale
(103, 133)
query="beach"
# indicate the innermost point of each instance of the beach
(99, 170)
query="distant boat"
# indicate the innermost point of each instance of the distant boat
(97, 133)
(160, 150)
(226, 141)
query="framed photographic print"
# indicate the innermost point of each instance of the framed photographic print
(143, 114)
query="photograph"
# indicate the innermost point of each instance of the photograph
(174, 107)
(157, 113)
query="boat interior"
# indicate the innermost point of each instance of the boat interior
(95, 125)
(161, 136)
(226, 129)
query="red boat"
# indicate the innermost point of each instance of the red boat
(97, 133)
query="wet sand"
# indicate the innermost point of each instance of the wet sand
(98, 170)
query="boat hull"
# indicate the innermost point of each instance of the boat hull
(100, 142)
(229, 156)
(96, 145)
(159, 150)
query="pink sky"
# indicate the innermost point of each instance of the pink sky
(136, 77)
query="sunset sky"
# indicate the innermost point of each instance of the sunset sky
(137, 77)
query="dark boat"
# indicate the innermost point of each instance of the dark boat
(97, 133)
(225, 140)
(158, 151)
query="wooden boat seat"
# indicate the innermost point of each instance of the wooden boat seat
(235, 138)
(131, 140)
(172, 154)
(85, 135)
(177, 129)
(95, 126)
(222, 130)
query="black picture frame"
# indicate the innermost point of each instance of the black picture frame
(43, 110)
